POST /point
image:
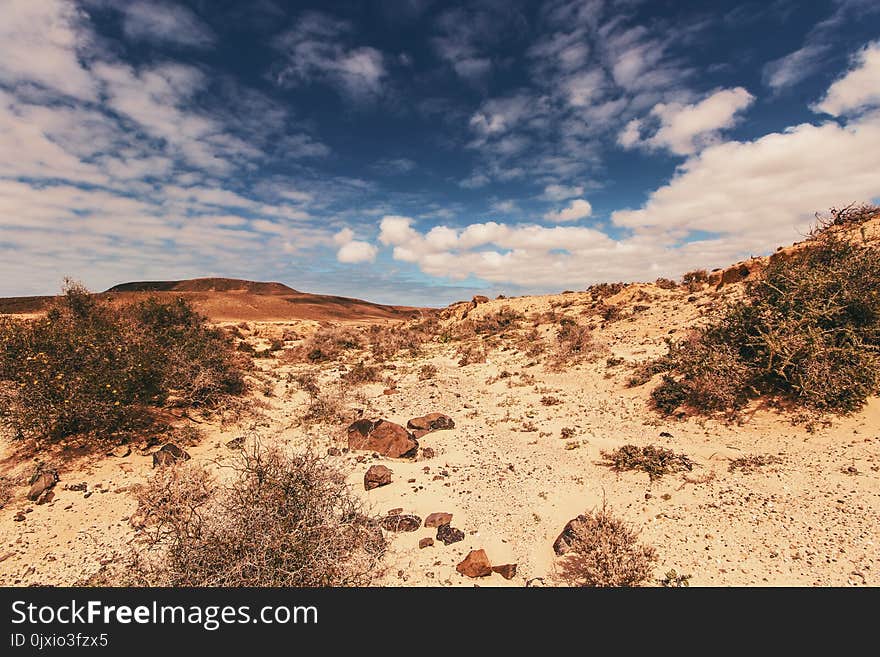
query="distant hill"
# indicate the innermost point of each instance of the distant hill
(228, 299)
(205, 285)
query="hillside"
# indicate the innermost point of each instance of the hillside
(229, 299)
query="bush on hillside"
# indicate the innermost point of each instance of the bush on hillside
(808, 330)
(88, 366)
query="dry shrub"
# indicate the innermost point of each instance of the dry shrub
(605, 290)
(748, 464)
(666, 284)
(361, 373)
(89, 367)
(574, 342)
(612, 313)
(470, 353)
(282, 521)
(427, 371)
(7, 491)
(328, 343)
(531, 343)
(656, 461)
(808, 330)
(386, 342)
(605, 552)
(502, 320)
(694, 280)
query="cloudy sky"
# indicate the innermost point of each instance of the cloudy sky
(419, 151)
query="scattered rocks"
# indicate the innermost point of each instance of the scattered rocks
(426, 542)
(41, 483)
(449, 534)
(169, 454)
(430, 422)
(376, 476)
(438, 519)
(382, 436)
(507, 571)
(401, 523)
(475, 564)
(333, 451)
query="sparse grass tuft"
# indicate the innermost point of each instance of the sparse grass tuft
(656, 461)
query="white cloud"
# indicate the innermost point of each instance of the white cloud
(162, 22)
(556, 192)
(577, 209)
(507, 206)
(684, 129)
(355, 252)
(794, 67)
(41, 42)
(344, 236)
(859, 88)
(315, 49)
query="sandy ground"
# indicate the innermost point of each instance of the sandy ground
(509, 479)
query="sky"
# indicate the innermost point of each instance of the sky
(422, 151)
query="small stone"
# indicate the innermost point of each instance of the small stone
(449, 534)
(236, 443)
(43, 482)
(426, 542)
(437, 519)
(333, 451)
(427, 453)
(396, 511)
(169, 454)
(376, 476)
(475, 564)
(401, 523)
(507, 571)
(121, 451)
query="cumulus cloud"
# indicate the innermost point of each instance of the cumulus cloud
(577, 209)
(684, 129)
(355, 252)
(859, 88)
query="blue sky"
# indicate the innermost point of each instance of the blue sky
(417, 151)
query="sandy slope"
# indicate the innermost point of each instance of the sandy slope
(506, 475)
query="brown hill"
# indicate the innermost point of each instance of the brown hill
(227, 299)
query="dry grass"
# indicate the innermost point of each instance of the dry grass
(287, 521)
(656, 461)
(605, 552)
(748, 464)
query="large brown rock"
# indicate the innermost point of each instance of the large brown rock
(563, 542)
(382, 436)
(475, 564)
(437, 519)
(44, 481)
(430, 422)
(377, 475)
(478, 299)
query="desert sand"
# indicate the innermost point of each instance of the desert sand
(506, 474)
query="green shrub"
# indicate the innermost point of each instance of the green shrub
(808, 330)
(88, 366)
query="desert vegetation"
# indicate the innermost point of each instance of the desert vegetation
(279, 520)
(807, 331)
(87, 367)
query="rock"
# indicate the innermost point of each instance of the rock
(427, 453)
(475, 564)
(382, 436)
(121, 451)
(46, 497)
(333, 451)
(507, 571)
(401, 523)
(377, 475)
(169, 454)
(449, 534)
(478, 299)
(396, 511)
(43, 482)
(563, 542)
(19, 517)
(426, 542)
(437, 519)
(236, 443)
(430, 422)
